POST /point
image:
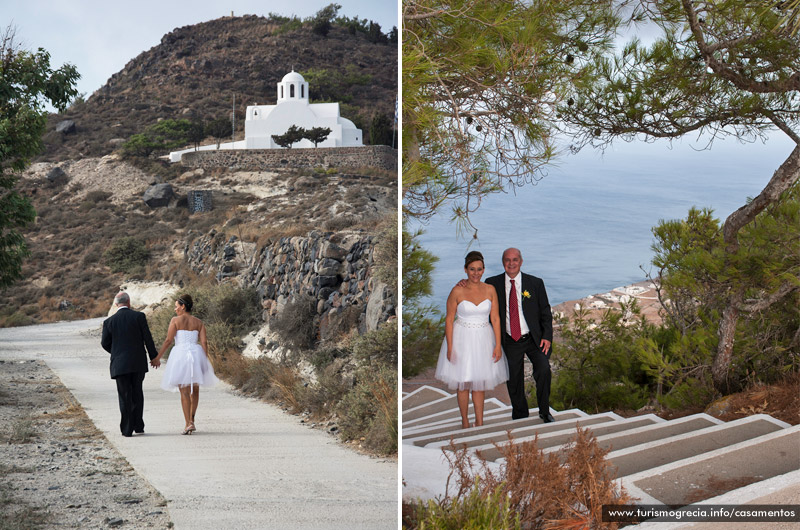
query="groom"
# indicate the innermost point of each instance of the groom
(125, 337)
(527, 330)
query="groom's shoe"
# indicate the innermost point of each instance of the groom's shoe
(547, 418)
(139, 431)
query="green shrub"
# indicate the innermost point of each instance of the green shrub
(378, 347)
(369, 409)
(128, 255)
(598, 362)
(472, 511)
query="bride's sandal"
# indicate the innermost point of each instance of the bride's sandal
(191, 428)
(188, 430)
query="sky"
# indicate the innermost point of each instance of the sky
(100, 37)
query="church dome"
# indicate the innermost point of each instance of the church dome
(293, 77)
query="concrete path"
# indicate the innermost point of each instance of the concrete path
(249, 465)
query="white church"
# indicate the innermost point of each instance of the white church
(293, 108)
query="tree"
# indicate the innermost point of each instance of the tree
(219, 128)
(195, 133)
(381, 130)
(481, 83)
(321, 24)
(316, 135)
(719, 68)
(139, 144)
(27, 82)
(422, 323)
(292, 135)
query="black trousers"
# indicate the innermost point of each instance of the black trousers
(131, 402)
(515, 353)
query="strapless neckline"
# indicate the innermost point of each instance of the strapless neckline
(473, 303)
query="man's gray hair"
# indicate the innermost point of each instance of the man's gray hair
(122, 298)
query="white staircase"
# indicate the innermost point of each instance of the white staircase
(750, 460)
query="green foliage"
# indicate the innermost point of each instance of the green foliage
(423, 325)
(163, 136)
(139, 145)
(317, 135)
(381, 130)
(292, 135)
(227, 311)
(378, 347)
(697, 274)
(597, 361)
(329, 84)
(128, 255)
(321, 23)
(472, 511)
(369, 409)
(480, 92)
(27, 83)
(219, 128)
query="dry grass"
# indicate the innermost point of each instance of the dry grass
(555, 491)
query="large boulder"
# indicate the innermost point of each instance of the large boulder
(158, 195)
(66, 127)
(379, 306)
(57, 176)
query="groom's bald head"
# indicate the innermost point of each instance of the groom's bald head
(512, 261)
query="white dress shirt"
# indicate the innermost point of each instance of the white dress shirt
(523, 326)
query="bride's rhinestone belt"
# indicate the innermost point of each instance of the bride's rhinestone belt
(472, 324)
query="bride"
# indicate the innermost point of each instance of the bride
(471, 358)
(188, 365)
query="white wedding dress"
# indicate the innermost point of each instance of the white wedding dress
(472, 366)
(187, 363)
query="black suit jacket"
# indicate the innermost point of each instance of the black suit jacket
(125, 337)
(535, 309)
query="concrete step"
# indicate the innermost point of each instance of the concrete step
(422, 395)
(499, 427)
(494, 415)
(678, 447)
(554, 441)
(443, 409)
(695, 422)
(719, 471)
(782, 490)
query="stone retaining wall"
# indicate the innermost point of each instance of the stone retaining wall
(375, 156)
(334, 269)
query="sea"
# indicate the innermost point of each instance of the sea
(586, 227)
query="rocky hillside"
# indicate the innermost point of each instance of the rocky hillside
(196, 71)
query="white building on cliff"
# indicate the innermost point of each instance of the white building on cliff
(292, 108)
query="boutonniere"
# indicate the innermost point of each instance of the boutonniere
(526, 294)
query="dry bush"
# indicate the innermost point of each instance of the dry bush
(565, 489)
(22, 431)
(321, 398)
(288, 382)
(296, 324)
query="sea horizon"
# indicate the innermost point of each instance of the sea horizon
(585, 228)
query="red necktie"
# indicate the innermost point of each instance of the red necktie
(513, 313)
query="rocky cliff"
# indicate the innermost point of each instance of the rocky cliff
(335, 269)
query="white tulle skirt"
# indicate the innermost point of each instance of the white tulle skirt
(472, 366)
(187, 366)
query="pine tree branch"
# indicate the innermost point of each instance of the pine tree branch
(754, 306)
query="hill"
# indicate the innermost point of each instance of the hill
(196, 71)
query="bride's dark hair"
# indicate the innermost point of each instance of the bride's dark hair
(473, 256)
(186, 301)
